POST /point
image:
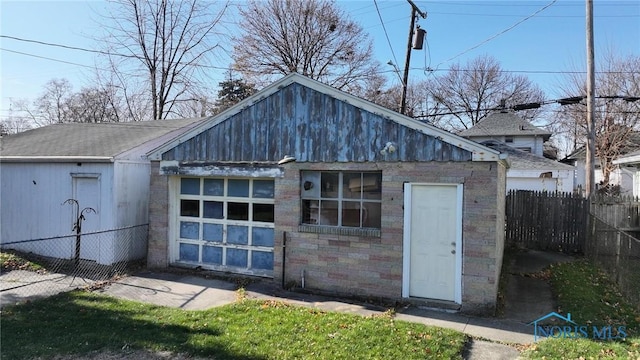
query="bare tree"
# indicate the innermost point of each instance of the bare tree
(310, 37)
(617, 111)
(391, 97)
(465, 95)
(159, 51)
(14, 124)
(92, 105)
(58, 103)
(52, 106)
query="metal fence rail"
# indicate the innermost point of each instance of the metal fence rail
(46, 266)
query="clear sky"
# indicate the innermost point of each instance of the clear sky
(539, 39)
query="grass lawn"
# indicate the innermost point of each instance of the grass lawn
(80, 322)
(586, 292)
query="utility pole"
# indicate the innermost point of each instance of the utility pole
(414, 12)
(591, 84)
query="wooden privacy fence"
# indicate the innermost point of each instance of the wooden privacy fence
(546, 220)
(623, 213)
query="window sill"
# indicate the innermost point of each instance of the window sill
(335, 230)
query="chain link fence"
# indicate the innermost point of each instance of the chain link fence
(47, 266)
(618, 253)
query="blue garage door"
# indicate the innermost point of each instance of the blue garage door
(226, 224)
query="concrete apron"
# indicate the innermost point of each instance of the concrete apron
(197, 293)
(528, 293)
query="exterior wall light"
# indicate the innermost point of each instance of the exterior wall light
(389, 148)
(286, 159)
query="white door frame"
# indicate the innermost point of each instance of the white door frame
(406, 239)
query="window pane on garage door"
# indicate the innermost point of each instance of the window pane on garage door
(225, 224)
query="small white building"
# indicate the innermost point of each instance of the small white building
(622, 175)
(629, 164)
(505, 131)
(531, 172)
(101, 166)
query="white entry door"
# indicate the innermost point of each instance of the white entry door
(432, 255)
(86, 190)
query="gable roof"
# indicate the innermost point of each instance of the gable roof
(90, 141)
(632, 145)
(523, 160)
(479, 152)
(504, 123)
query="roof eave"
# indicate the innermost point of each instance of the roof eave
(56, 159)
(634, 159)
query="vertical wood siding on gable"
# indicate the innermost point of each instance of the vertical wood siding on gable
(313, 127)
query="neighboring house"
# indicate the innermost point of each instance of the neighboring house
(102, 166)
(529, 169)
(532, 172)
(509, 128)
(630, 164)
(314, 188)
(621, 176)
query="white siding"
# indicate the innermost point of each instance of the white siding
(132, 198)
(535, 143)
(561, 180)
(619, 176)
(32, 198)
(32, 206)
(131, 193)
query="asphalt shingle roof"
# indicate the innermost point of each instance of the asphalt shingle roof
(88, 139)
(504, 123)
(523, 160)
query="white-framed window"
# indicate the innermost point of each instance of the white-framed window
(226, 223)
(347, 199)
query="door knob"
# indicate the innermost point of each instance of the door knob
(453, 251)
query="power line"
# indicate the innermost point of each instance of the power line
(68, 47)
(384, 28)
(503, 4)
(559, 72)
(535, 105)
(540, 16)
(46, 58)
(500, 33)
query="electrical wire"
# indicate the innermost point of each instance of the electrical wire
(540, 16)
(46, 58)
(544, 102)
(498, 34)
(384, 28)
(380, 72)
(69, 47)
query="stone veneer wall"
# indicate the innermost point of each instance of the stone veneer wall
(372, 266)
(158, 248)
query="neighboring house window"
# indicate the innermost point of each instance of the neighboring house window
(508, 140)
(341, 199)
(226, 223)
